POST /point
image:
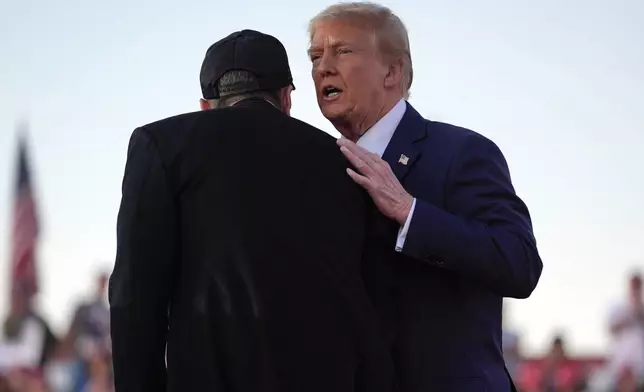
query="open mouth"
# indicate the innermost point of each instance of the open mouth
(331, 91)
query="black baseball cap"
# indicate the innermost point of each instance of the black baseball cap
(246, 50)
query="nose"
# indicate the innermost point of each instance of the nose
(325, 65)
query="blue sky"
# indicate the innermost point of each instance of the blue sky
(558, 85)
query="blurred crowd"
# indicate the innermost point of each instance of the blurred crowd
(621, 370)
(34, 359)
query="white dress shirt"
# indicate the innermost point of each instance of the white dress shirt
(628, 344)
(376, 140)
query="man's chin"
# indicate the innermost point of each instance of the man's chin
(334, 113)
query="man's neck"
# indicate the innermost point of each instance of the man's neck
(253, 98)
(353, 129)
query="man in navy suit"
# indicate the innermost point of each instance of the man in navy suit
(460, 239)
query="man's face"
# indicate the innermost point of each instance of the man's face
(101, 284)
(558, 350)
(636, 288)
(348, 72)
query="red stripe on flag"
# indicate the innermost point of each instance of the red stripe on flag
(24, 238)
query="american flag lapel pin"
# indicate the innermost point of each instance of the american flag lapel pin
(404, 159)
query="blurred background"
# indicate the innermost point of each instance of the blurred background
(558, 85)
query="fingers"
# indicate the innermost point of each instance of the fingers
(363, 181)
(367, 163)
(377, 178)
(358, 162)
(368, 157)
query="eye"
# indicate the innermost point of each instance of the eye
(315, 57)
(344, 50)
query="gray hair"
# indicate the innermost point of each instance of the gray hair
(233, 86)
(389, 31)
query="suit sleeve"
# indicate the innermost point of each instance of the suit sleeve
(487, 233)
(141, 285)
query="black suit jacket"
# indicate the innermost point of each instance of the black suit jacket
(240, 237)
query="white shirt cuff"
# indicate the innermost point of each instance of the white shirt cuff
(402, 232)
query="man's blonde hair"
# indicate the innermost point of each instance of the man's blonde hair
(390, 32)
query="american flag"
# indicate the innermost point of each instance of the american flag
(25, 228)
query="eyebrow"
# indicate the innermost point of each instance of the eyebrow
(334, 45)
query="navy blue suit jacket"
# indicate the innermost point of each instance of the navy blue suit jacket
(470, 243)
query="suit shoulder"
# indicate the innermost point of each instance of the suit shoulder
(171, 127)
(313, 140)
(459, 136)
(454, 132)
(313, 132)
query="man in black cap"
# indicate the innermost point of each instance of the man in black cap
(246, 64)
(240, 239)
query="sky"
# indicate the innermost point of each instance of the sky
(558, 85)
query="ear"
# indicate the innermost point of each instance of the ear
(285, 96)
(204, 104)
(394, 73)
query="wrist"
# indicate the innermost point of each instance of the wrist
(405, 210)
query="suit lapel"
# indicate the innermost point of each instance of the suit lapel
(403, 150)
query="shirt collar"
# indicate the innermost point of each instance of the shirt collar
(378, 137)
